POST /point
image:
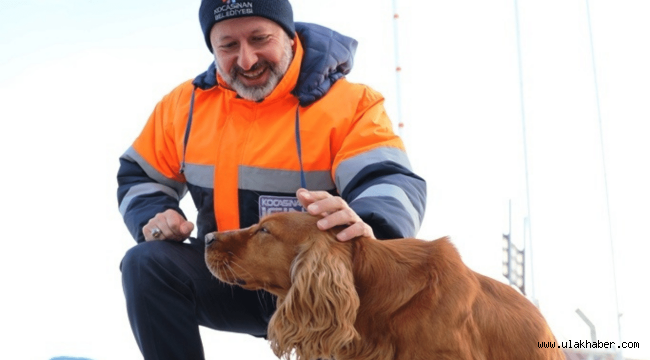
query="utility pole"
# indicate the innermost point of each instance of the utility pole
(398, 70)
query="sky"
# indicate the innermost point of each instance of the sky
(78, 80)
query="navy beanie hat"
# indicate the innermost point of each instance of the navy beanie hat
(213, 11)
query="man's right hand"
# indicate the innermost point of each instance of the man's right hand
(171, 226)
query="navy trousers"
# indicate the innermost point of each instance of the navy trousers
(170, 292)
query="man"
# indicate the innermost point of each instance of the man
(272, 117)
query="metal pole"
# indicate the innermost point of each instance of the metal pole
(398, 70)
(619, 353)
(592, 328)
(528, 243)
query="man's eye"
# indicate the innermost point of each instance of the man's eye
(229, 45)
(260, 38)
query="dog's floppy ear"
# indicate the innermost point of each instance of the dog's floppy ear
(317, 316)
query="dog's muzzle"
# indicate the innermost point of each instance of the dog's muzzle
(209, 239)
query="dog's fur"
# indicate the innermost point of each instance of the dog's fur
(403, 299)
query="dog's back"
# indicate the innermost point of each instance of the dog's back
(446, 311)
(510, 325)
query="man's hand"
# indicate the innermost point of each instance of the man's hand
(335, 211)
(168, 225)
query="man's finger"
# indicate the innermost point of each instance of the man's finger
(174, 225)
(355, 230)
(151, 232)
(155, 232)
(171, 225)
(335, 212)
(328, 205)
(307, 197)
(187, 228)
(350, 232)
(156, 227)
(345, 216)
(304, 197)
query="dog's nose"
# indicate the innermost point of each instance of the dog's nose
(209, 239)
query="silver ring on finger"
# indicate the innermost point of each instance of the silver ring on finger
(156, 232)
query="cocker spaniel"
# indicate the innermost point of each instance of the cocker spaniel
(403, 299)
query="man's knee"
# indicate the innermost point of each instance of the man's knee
(146, 260)
(143, 254)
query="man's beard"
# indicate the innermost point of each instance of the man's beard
(258, 92)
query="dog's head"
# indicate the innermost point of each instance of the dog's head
(260, 256)
(308, 269)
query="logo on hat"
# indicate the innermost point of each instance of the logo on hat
(232, 8)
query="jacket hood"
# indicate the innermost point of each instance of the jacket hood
(328, 56)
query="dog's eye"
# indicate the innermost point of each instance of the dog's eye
(263, 230)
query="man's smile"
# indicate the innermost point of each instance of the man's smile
(253, 77)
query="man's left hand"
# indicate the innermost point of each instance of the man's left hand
(335, 211)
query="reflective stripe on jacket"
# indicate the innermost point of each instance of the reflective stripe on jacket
(240, 159)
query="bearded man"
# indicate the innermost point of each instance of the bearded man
(272, 125)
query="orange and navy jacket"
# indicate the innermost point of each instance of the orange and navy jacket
(241, 159)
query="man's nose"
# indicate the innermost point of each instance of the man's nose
(247, 57)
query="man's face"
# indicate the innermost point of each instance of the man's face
(252, 54)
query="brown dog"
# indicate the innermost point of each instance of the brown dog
(404, 299)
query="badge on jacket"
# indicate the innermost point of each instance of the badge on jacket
(273, 204)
